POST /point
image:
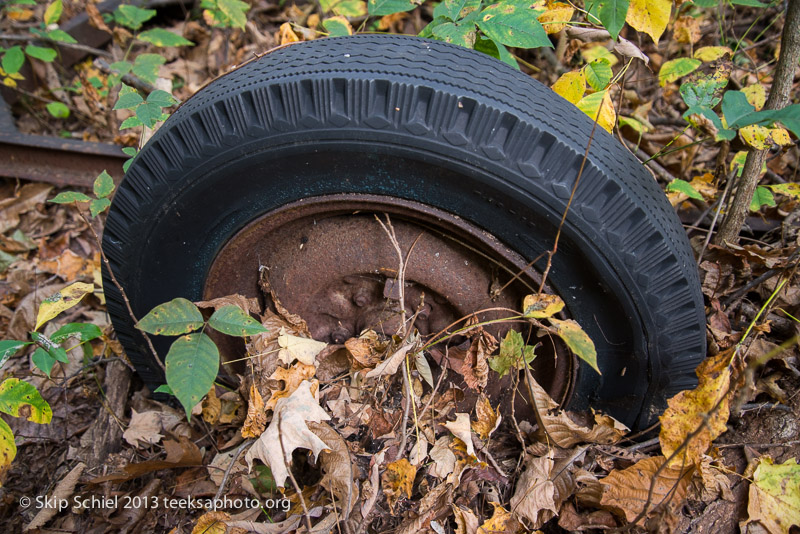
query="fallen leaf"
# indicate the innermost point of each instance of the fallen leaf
(70, 266)
(487, 419)
(461, 429)
(535, 496)
(569, 519)
(339, 477)
(397, 480)
(286, 35)
(27, 198)
(419, 451)
(626, 490)
(708, 405)
(211, 407)
(390, 365)
(249, 305)
(687, 29)
(211, 523)
(366, 349)
(291, 378)
(466, 521)
(288, 431)
(444, 459)
(62, 492)
(256, 420)
(501, 522)
(144, 428)
(712, 481)
(774, 500)
(298, 348)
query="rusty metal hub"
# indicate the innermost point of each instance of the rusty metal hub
(331, 262)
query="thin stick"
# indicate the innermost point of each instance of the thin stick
(74, 46)
(716, 216)
(119, 287)
(230, 468)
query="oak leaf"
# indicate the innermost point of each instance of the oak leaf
(288, 431)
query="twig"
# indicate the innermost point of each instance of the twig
(230, 468)
(119, 287)
(716, 216)
(406, 410)
(74, 46)
(129, 79)
(401, 272)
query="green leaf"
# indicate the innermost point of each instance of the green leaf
(456, 9)
(496, 50)
(162, 37)
(16, 393)
(513, 24)
(677, 68)
(60, 36)
(164, 388)
(6, 260)
(233, 321)
(8, 449)
(53, 12)
(149, 114)
(774, 496)
(13, 60)
(128, 98)
(146, 67)
(98, 206)
(123, 67)
(612, 14)
(192, 364)
(53, 349)
(43, 361)
(577, 340)
(749, 3)
(58, 110)
(41, 52)
(460, 34)
(130, 122)
(129, 150)
(235, 11)
(263, 482)
(703, 91)
(598, 73)
(512, 348)
(173, 318)
(790, 117)
(379, 8)
(427, 31)
(132, 17)
(67, 197)
(682, 186)
(337, 26)
(83, 332)
(161, 98)
(736, 109)
(10, 347)
(762, 197)
(103, 184)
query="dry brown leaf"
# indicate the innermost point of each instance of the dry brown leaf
(708, 404)
(390, 365)
(419, 451)
(232, 408)
(534, 498)
(180, 453)
(70, 266)
(256, 420)
(211, 523)
(565, 432)
(211, 407)
(302, 349)
(444, 459)
(288, 431)
(461, 429)
(487, 419)
(501, 522)
(338, 469)
(63, 491)
(466, 521)
(144, 428)
(398, 480)
(366, 349)
(589, 489)
(710, 482)
(569, 519)
(249, 305)
(26, 199)
(292, 378)
(475, 367)
(625, 491)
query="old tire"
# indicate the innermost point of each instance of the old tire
(439, 126)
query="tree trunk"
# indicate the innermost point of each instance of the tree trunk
(779, 94)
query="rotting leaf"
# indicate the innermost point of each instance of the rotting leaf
(542, 306)
(390, 365)
(397, 480)
(708, 405)
(339, 477)
(211, 407)
(288, 431)
(256, 420)
(774, 500)
(626, 490)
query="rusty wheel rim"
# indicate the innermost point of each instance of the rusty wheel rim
(331, 262)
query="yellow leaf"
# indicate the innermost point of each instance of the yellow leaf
(649, 16)
(211, 523)
(542, 306)
(774, 496)
(780, 136)
(256, 420)
(626, 491)
(556, 16)
(8, 449)
(571, 86)
(501, 522)
(687, 29)
(286, 35)
(291, 378)
(595, 52)
(688, 410)
(599, 102)
(711, 53)
(488, 419)
(62, 301)
(398, 480)
(211, 407)
(756, 136)
(756, 94)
